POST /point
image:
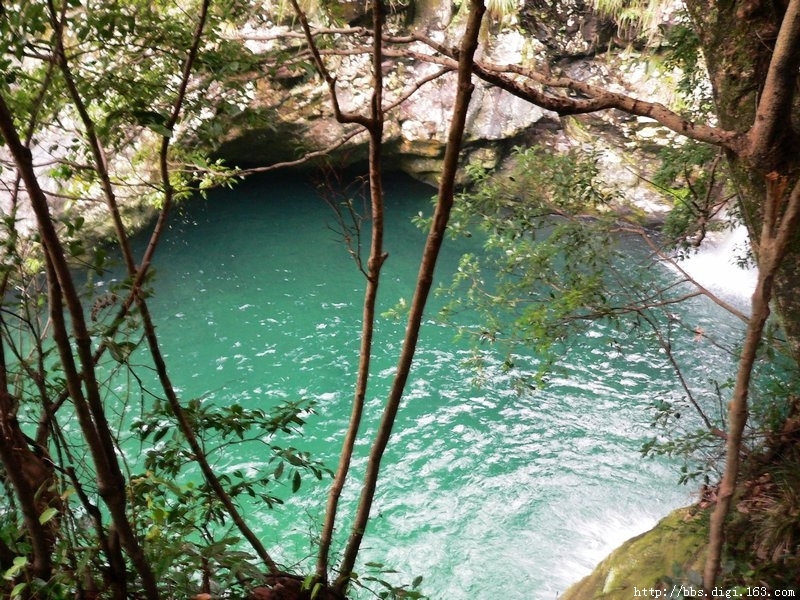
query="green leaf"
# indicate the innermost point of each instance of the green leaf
(294, 460)
(19, 563)
(307, 581)
(154, 121)
(47, 515)
(120, 351)
(296, 481)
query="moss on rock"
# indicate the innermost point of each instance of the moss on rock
(673, 550)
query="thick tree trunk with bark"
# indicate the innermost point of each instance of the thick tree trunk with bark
(739, 40)
(752, 50)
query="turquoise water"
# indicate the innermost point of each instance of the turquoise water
(488, 492)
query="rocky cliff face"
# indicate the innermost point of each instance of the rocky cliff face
(289, 116)
(416, 129)
(565, 36)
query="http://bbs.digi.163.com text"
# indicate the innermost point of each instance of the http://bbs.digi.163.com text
(686, 591)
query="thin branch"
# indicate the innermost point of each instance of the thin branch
(355, 31)
(689, 279)
(374, 125)
(308, 156)
(342, 117)
(416, 87)
(667, 347)
(433, 244)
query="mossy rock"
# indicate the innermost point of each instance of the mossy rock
(673, 551)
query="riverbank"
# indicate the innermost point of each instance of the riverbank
(671, 553)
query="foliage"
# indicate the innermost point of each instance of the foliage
(376, 583)
(633, 299)
(99, 94)
(525, 273)
(691, 175)
(219, 427)
(501, 10)
(683, 52)
(557, 262)
(124, 58)
(498, 12)
(185, 529)
(634, 18)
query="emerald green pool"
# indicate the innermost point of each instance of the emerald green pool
(487, 492)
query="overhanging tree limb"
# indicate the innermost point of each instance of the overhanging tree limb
(469, 44)
(571, 97)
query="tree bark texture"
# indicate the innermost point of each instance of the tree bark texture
(752, 53)
(34, 482)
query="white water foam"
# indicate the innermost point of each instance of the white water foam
(715, 266)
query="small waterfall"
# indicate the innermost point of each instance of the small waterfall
(715, 266)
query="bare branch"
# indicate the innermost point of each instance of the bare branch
(308, 156)
(326, 75)
(689, 279)
(667, 347)
(354, 31)
(416, 87)
(533, 85)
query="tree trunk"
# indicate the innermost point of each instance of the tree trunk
(374, 265)
(83, 386)
(33, 480)
(739, 41)
(433, 244)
